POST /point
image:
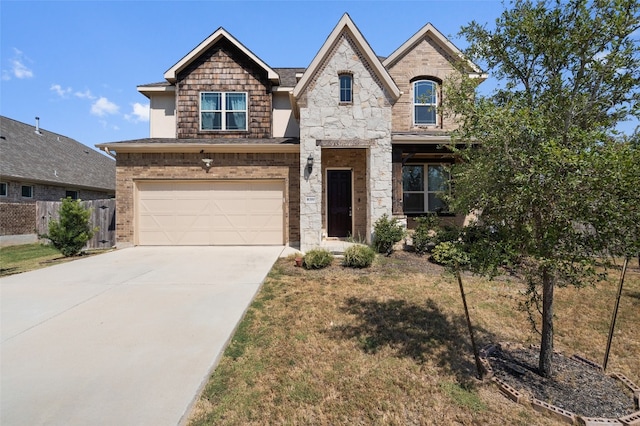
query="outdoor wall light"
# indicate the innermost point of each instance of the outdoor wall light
(207, 163)
(310, 163)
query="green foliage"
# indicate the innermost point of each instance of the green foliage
(70, 234)
(358, 256)
(569, 73)
(317, 259)
(387, 231)
(424, 235)
(450, 254)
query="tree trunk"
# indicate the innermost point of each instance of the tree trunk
(546, 346)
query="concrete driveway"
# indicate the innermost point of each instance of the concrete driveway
(122, 338)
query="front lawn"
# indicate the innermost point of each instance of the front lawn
(26, 257)
(388, 345)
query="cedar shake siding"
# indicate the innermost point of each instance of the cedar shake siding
(223, 68)
(187, 166)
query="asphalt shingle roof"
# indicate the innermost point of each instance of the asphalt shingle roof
(53, 158)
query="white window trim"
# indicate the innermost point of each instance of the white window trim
(425, 190)
(415, 103)
(223, 111)
(340, 75)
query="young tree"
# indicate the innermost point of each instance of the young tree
(70, 234)
(569, 73)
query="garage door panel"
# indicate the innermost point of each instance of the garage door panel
(210, 213)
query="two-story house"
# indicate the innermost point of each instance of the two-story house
(242, 153)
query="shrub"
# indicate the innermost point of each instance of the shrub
(387, 232)
(317, 259)
(423, 236)
(70, 234)
(450, 254)
(358, 256)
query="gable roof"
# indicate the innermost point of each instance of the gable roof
(172, 73)
(346, 24)
(430, 31)
(47, 157)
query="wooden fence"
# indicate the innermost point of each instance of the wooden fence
(103, 217)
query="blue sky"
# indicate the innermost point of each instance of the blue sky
(76, 64)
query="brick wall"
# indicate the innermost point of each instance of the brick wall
(356, 160)
(49, 193)
(134, 166)
(17, 218)
(223, 68)
(426, 59)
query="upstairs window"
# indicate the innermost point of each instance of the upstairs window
(346, 88)
(71, 194)
(223, 111)
(422, 187)
(425, 100)
(4, 190)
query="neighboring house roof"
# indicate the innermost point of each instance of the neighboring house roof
(50, 158)
(172, 73)
(288, 76)
(204, 145)
(346, 24)
(431, 32)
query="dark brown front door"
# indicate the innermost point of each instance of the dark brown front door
(339, 203)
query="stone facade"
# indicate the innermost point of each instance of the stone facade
(427, 59)
(223, 68)
(178, 166)
(323, 117)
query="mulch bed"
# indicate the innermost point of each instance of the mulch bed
(574, 386)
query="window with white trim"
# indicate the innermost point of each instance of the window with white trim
(27, 191)
(425, 101)
(4, 189)
(346, 88)
(223, 111)
(422, 187)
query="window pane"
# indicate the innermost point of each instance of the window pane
(413, 203)
(438, 178)
(236, 102)
(425, 114)
(412, 178)
(345, 88)
(71, 194)
(210, 101)
(236, 121)
(27, 191)
(3, 189)
(211, 121)
(436, 204)
(424, 92)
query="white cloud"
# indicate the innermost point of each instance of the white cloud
(139, 113)
(60, 91)
(84, 95)
(18, 67)
(104, 106)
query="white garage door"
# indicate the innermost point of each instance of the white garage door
(210, 213)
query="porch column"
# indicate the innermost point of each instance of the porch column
(396, 159)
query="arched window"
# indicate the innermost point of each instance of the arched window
(425, 101)
(346, 88)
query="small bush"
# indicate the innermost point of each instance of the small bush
(450, 254)
(387, 232)
(358, 256)
(70, 234)
(424, 234)
(317, 259)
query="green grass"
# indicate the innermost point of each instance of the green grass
(26, 257)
